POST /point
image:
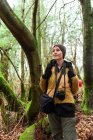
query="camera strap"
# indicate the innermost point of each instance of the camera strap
(64, 77)
(63, 71)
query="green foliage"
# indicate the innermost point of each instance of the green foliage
(27, 106)
(6, 38)
(28, 134)
(8, 42)
(13, 102)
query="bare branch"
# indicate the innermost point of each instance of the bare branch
(46, 15)
(29, 9)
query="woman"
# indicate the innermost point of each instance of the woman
(62, 120)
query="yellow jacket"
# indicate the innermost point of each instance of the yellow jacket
(52, 83)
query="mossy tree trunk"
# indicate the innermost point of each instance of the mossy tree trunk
(34, 18)
(13, 103)
(4, 62)
(87, 54)
(28, 44)
(22, 54)
(39, 30)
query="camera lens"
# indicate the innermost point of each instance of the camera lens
(60, 95)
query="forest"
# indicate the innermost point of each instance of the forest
(28, 30)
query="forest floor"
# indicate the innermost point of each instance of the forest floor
(84, 128)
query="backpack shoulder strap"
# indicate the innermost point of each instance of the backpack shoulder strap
(69, 65)
(53, 63)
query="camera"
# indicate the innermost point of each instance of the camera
(60, 95)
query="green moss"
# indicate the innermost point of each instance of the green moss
(28, 134)
(11, 97)
(27, 106)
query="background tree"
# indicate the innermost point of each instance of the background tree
(87, 54)
(4, 62)
(27, 41)
(22, 54)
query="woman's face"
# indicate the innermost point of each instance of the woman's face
(57, 53)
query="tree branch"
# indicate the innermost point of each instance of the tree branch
(46, 15)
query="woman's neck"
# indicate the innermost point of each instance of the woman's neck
(60, 62)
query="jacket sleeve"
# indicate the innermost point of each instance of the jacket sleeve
(75, 85)
(73, 79)
(42, 84)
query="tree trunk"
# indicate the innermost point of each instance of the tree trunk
(39, 31)
(4, 62)
(27, 42)
(13, 103)
(22, 55)
(34, 18)
(88, 54)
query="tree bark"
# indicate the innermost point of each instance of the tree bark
(22, 55)
(34, 18)
(39, 31)
(13, 103)
(5, 62)
(27, 42)
(87, 53)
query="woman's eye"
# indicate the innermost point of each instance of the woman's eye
(58, 50)
(54, 50)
